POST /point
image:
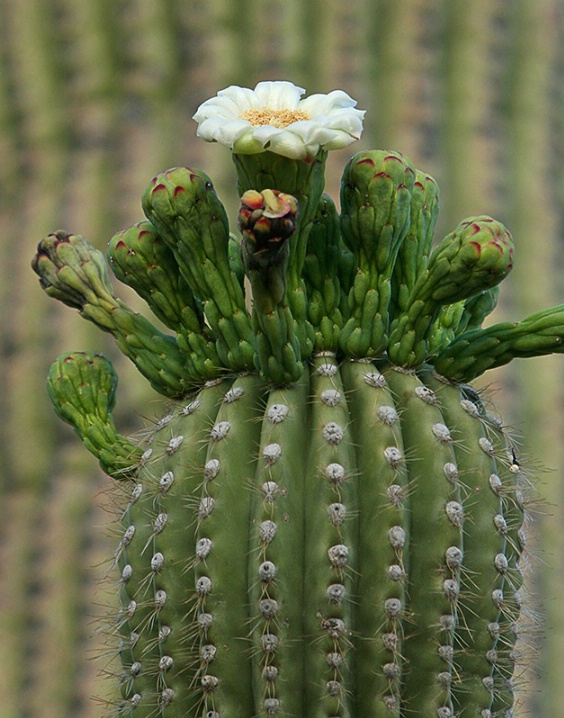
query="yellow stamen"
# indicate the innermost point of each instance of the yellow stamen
(276, 118)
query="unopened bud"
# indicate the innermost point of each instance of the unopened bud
(268, 218)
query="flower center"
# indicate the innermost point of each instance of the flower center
(276, 118)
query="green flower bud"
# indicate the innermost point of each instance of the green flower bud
(376, 195)
(323, 276)
(183, 206)
(71, 270)
(82, 389)
(375, 201)
(413, 255)
(472, 259)
(476, 256)
(140, 258)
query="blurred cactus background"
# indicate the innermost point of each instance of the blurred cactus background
(96, 96)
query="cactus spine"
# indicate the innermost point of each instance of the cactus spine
(327, 521)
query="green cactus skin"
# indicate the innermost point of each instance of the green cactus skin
(328, 521)
(376, 193)
(261, 580)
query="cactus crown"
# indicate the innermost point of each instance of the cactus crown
(327, 521)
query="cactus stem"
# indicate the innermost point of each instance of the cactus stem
(320, 525)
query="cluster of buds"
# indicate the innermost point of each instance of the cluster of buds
(267, 219)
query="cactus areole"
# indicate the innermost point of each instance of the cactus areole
(327, 521)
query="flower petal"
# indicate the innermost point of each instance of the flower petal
(312, 132)
(266, 133)
(349, 120)
(242, 98)
(210, 129)
(213, 108)
(323, 104)
(341, 139)
(290, 145)
(219, 129)
(229, 103)
(279, 95)
(230, 132)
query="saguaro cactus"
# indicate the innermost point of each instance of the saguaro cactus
(328, 520)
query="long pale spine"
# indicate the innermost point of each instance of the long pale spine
(179, 632)
(330, 500)
(224, 512)
(436, 527)
(165, 496)
(383, 492)
(277, 540)
(513, 490)
(476, 476)
(275, 503)
(136, 618)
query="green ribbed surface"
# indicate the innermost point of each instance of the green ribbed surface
(329, 549)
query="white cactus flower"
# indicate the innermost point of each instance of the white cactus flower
(274, 117)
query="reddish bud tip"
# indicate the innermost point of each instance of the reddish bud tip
(262, 226)
(496, 245)
(252, 199)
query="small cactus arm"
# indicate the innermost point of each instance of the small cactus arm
(82, 388)
(327, 522)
